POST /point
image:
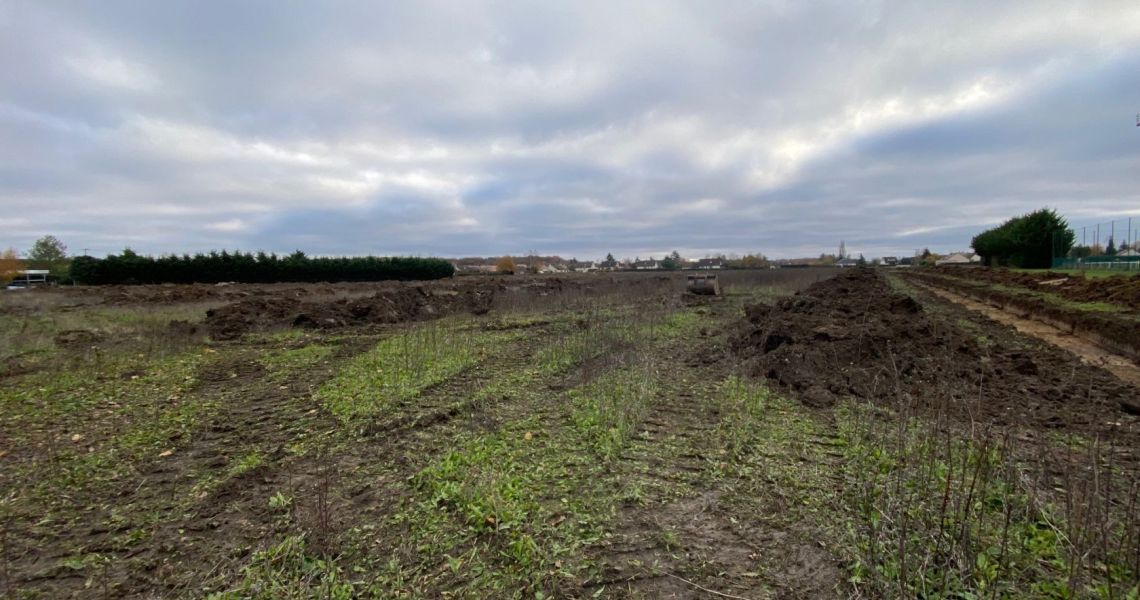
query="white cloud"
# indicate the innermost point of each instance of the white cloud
(483, 128)
(114, 73)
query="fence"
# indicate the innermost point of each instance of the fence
(1111, 245)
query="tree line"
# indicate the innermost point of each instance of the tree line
(1029, 241)
(214, 267)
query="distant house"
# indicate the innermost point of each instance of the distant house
(1129, 252)
(709, 263)
(890, 261)
(646, 265)
(847, 262)
(958, 258)
(29, 278)
(906, 261)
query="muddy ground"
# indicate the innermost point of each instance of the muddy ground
(852, 336)
(1108, 321)
(546, 437)
(1123, 291)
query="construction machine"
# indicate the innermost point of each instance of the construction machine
(703, 285)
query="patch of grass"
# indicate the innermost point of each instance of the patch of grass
(88, 425)
(1090, 273)
(774, 451)
(519, 501)
(607, 410)
(398, 368)
(33, 332)
(679, 324)
(280, 363)
(288, 570)
(942, 513)
(243, 464)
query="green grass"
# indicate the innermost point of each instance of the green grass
(33, 333)
(89, 425)
(508, 513)
(1094, 307)
(950, 515)
(1090, 273)
(606, 411)
(280, 363)
(400, 367)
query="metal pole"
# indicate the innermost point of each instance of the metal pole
(1096, 242)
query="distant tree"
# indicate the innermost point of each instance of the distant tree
(48, 249)
(862, 261)
(926, 253)
(10, 265)
(1080, 252)
(506, 265)
(1031, 240)
(671, 262)
(1110, 250)
(929, 259)
(48, 253)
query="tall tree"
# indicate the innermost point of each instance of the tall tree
(48, 249)
(1110, 250)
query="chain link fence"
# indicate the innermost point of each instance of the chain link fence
(1110, 245)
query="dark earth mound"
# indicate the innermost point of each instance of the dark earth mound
(853, 337)
(394, 302)
(388, 306)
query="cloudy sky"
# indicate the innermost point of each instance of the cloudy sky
(483, 128)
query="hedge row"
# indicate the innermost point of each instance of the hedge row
(1030, 241)
(128, 268)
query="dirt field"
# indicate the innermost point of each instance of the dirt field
(586, 436)
(1102, 311)
(1122, 290)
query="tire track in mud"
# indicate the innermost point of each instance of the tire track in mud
(208, 526)
(1087, 351)
(687, 536)
(360, 475)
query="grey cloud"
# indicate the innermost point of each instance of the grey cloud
(580, 128)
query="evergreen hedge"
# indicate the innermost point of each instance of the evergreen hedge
(214, 267)
(1029, 241)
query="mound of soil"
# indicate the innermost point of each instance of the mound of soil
(388, 306)
(1121, 291)
(853, 337)
(395, 302)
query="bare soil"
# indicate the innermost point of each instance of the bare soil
(1123, 291)
(680, 512)
(852, 336)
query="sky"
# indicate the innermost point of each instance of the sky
(578, 128)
